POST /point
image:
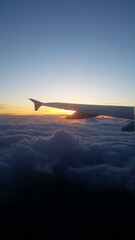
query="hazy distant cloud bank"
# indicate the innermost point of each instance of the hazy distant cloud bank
(3, 106)
(94, 152)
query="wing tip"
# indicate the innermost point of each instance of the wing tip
(37, 104)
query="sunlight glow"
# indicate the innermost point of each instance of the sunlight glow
(104, 116)
(13, 110)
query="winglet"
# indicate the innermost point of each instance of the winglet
(36, 103)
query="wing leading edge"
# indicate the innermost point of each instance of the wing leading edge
(88, 111)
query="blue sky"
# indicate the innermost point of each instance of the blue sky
(79, 51)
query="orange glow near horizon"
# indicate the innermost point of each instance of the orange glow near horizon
(11, 110)
(104, 116)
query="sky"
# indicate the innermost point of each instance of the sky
(79, 51)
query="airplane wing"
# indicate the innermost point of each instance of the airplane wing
(88, 111)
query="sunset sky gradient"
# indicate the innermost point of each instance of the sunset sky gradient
(80, 51)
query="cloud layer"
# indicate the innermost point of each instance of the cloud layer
(66, 179)
(94, 152)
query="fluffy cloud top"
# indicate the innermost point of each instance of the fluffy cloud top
(66, 179)
(94, 152)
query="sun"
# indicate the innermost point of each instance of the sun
(56, 111)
